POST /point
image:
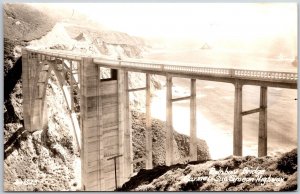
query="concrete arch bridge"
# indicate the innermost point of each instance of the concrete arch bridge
(103, 129)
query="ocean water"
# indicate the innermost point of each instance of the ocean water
(215, 102)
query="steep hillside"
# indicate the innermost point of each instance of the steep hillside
(25, 23)
(277, 173)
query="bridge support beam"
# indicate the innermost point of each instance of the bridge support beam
(169, 122)
(262, 133)
(238, 124)
(126, 123)
(193, 122)
(149, 164)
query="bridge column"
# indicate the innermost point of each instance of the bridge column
(238, 125)
(125, 123)
(263, 133)
(149, 164)
(193, 122)
(169, 123)
(122, 126)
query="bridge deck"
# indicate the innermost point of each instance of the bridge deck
(247, 77)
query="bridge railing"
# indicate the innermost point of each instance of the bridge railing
(167, 68)
(199, 70)
(268, 75)
(55, 53)
(223, 72)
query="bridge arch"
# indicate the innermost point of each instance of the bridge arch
(39, 73)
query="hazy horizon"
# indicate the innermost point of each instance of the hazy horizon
(251, 27)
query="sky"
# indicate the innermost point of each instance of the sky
(194, 19)
(252, 25)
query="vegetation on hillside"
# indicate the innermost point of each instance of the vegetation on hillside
(278, 173)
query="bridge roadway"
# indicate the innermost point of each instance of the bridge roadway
(245, 77)
(105, 127)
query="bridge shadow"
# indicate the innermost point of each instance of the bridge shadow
(13, 143)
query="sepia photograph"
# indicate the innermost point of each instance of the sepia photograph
(150, 97)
